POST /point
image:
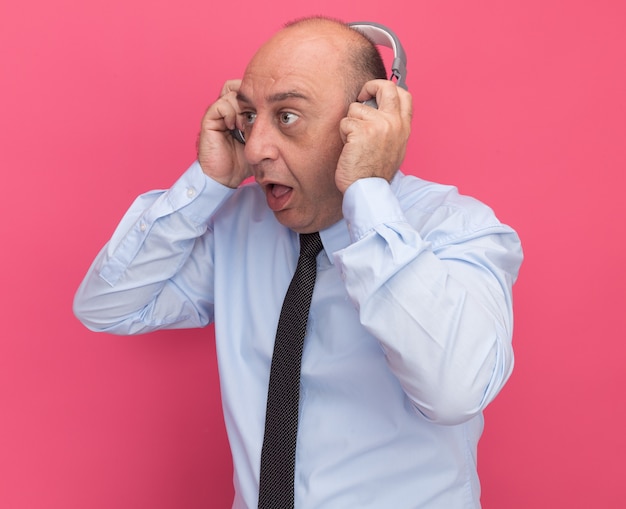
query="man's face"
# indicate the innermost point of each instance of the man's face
(292, 98)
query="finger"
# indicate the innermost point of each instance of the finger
(384, 91)
(230, 86)
(227, 113)
(406, 103)
(352, 128)
(361, 111)
(220, 116)
(346, 126)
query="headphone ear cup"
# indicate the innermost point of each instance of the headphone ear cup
(372, 103)
(238, 135)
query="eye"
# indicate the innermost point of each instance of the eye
(248, 117)
(287, 118)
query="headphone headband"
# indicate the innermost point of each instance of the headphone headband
(383, 36)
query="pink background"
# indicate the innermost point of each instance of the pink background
(520, 103)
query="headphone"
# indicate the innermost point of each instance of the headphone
(379, 35)
(383, 36)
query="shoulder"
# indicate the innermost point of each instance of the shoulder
(441, 214)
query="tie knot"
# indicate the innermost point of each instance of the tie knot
(310, 244)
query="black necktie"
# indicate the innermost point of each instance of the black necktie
(278, 456)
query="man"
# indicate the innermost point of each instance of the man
(409, 331)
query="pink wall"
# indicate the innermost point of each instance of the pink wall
(520, 103)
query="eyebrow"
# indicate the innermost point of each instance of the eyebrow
(281, 96)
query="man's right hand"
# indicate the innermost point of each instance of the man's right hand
(220, 156)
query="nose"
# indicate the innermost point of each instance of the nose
(261, 141)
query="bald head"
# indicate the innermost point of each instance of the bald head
(347, 53)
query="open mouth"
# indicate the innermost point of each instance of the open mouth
(277, 196)
(279, 190)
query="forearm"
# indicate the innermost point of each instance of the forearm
(441, 311)
(147, 276)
